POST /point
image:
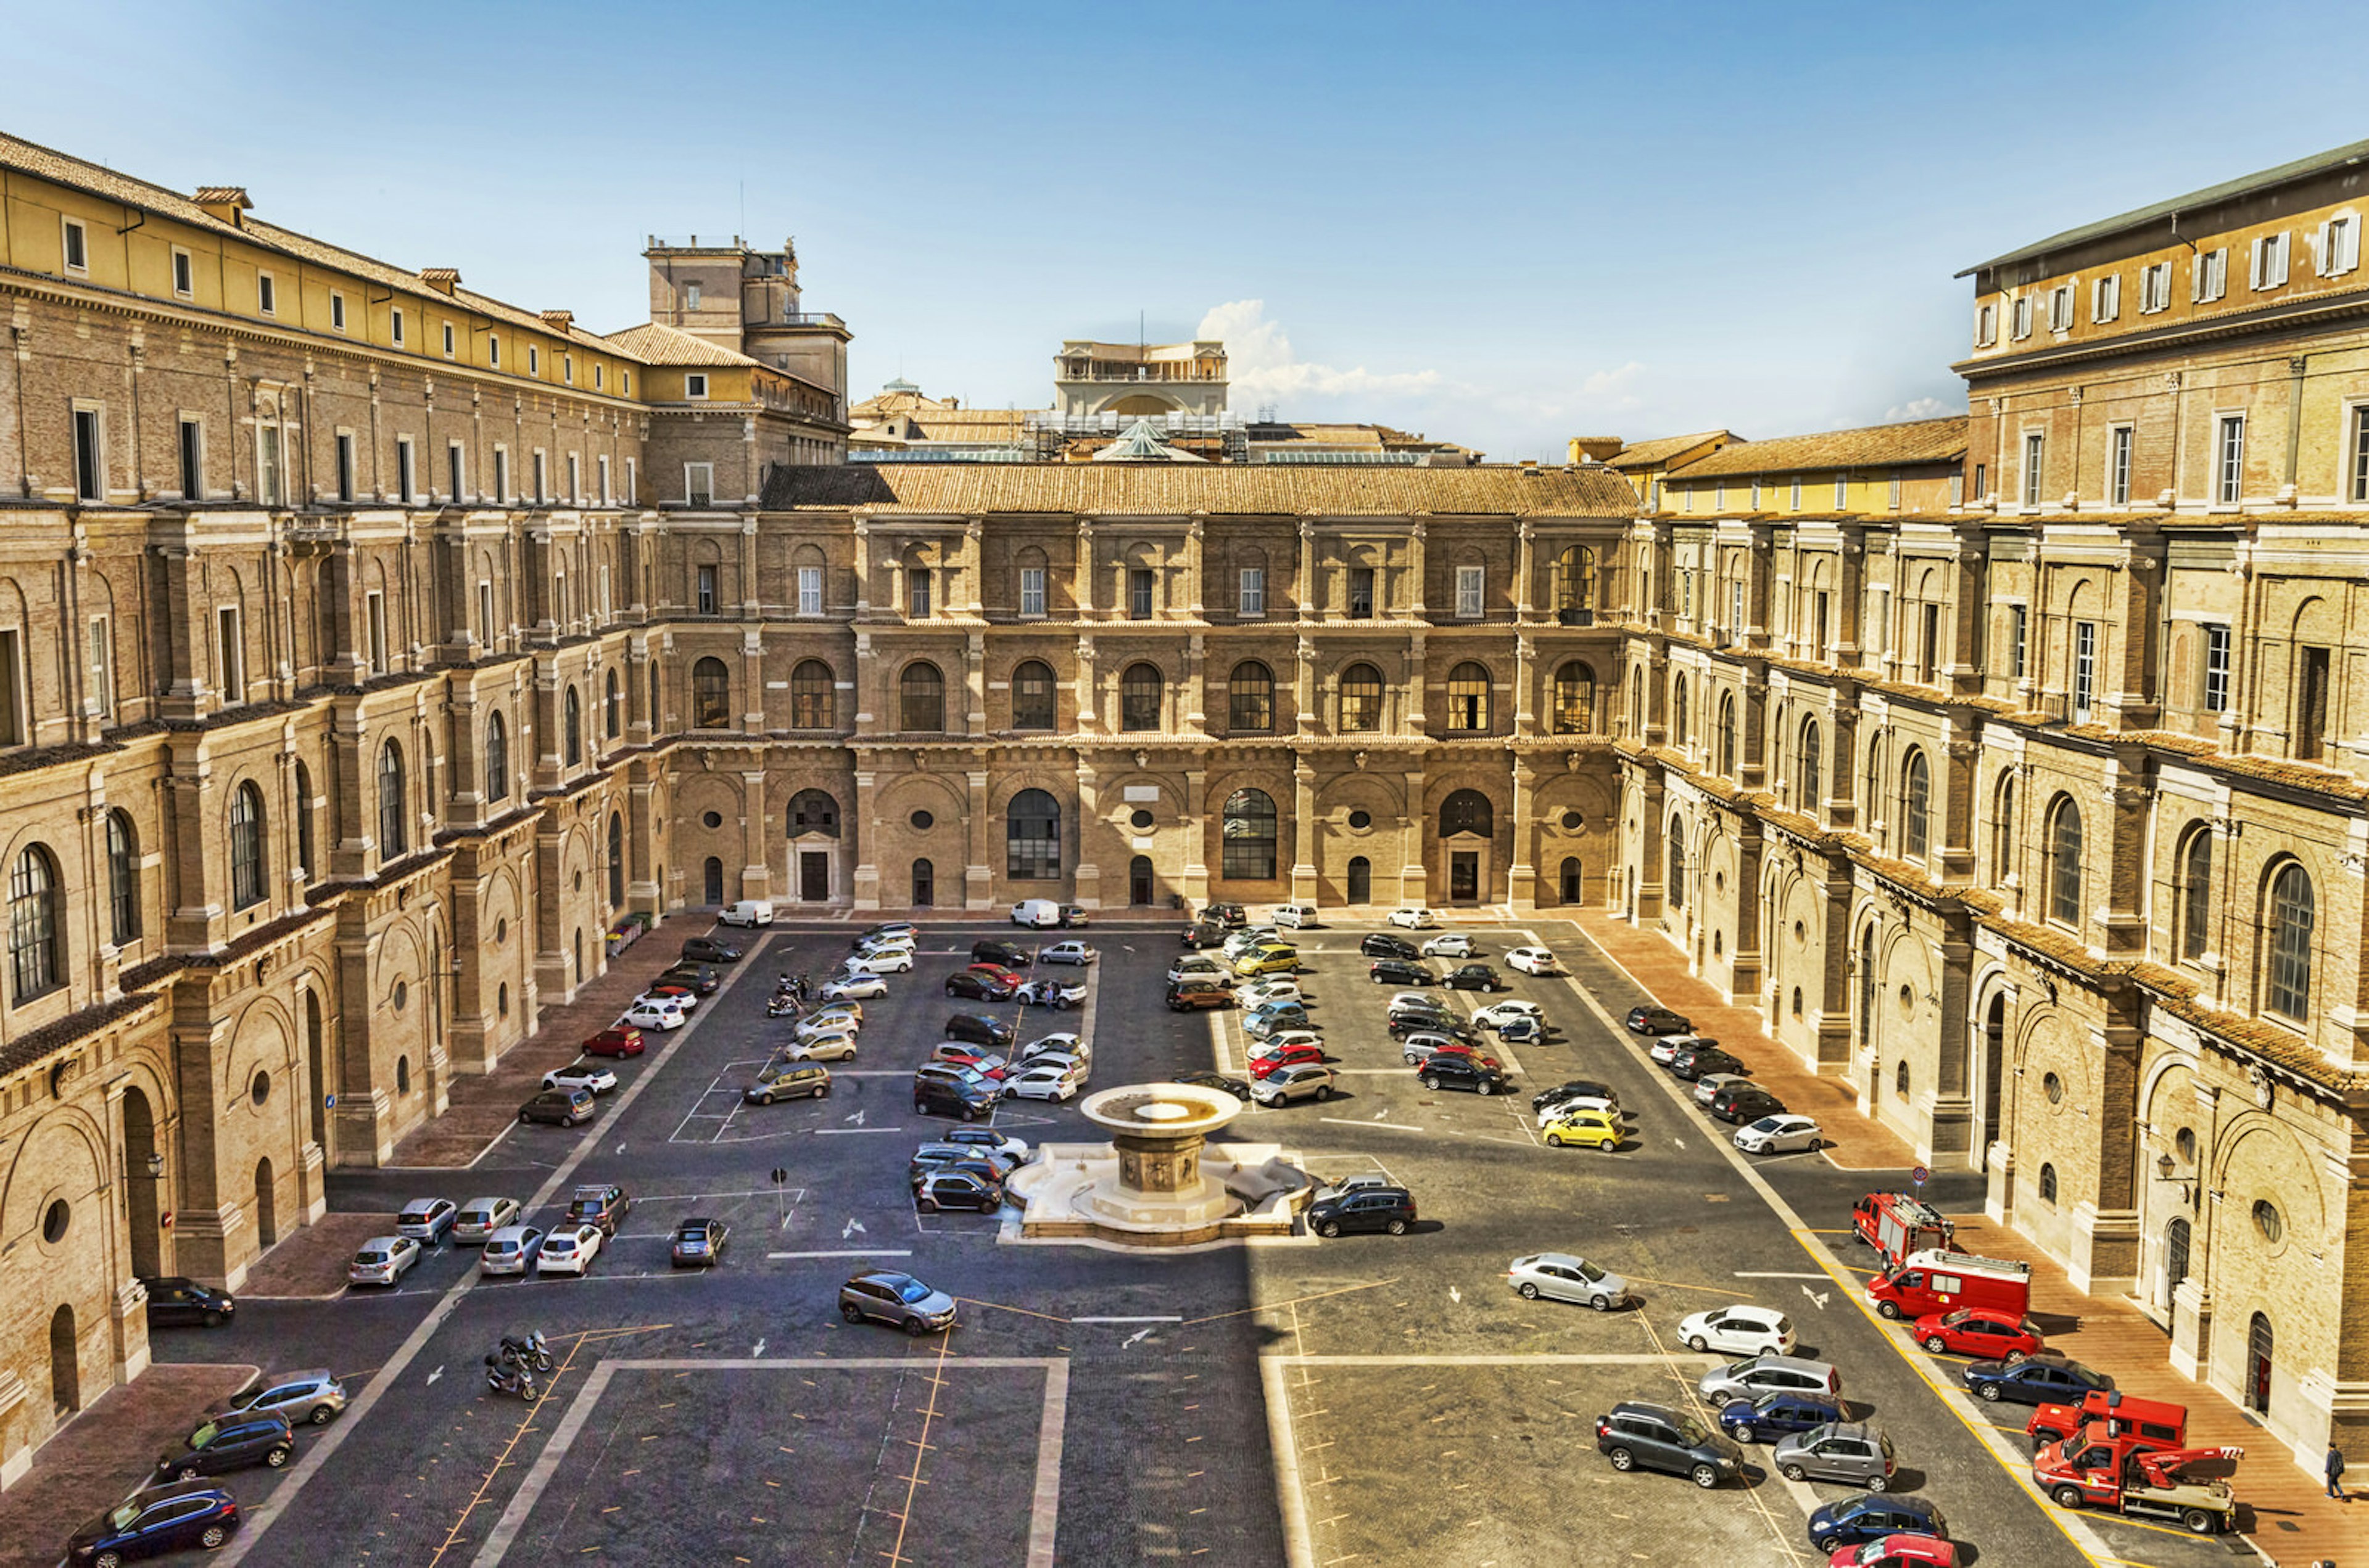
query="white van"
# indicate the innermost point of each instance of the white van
(1299, 917)
(747, 912)
(1041, 913)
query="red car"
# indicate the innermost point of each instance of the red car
(999, 973)
(619, 1042)
(683, 994)
(1896, 1552)
(1981, 1333)
(976, 1060)
(1289, 1056)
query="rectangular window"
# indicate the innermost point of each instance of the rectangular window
(266, 293)
(2270, 262)
(567, 368)
(1756, 495)
(694, 384)
(2229, 460)
(14, 730)
(450, 348)
(599, 376)
(633, 480)
(90, 456)
(266, 464)
(1253, 594)
(456, 466)
(345, 446)
(2339, 246)
(537, 465)
(1797, 493)
(493, 350)
(2118, 465)
(1929, 661)
(811, 591)
(394, 325)
(1470, 583)
(600, 474)
(337, 310)
(2035, 448)
(2022, 310)
(2060, 308)
(2209, 278)
(706, 590)
(2084, 666)
(1985, 325)
(1361, 593)
(1031, 590)
(501, 475)
(374, 627)
(77, 246)
(533, 359)
(2360, 453)
(691, 296)
(1842, 491)
(2311, 703)
(193, 459)
(1981, 481)
(917, 593)
(485, 612)
(1821, 607)
(2106, 299)
(699, 484)
(233, 655)
(1735, 609)
(405, 470)
(184, 274)
(1138, 593)
(102, 668)
(2216, 670)
(1892, 498)
(2018, 623)
(626, 379)
(2154, 288)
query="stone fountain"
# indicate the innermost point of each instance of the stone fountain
(1158, 1182)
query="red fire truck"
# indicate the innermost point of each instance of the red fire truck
(2122, 1474)
(2109, 1414)
(1897, 1224)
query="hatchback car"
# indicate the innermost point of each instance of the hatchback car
(1199, 967)
(653, 1016)
(835, 1018)
(899, 1299)
(1564, 1277)
(1566, 1101)
(977, 985)
(1500, 1014)
(1470, 1073)
(590, 1077)
(1638, 1435)
(2048, 1377)
(700, 978)
(1771, 1416)
(1588, 1130)
(1272, 958)
(820, 1047)
(1853, 1452)
(1050, 1081)
(1449, 945)
(1424, 1044)
(710, 950)
(698, 1244)
(617, 1042)
(995, 1141)
(1266, 1064)
(1264, 1022)
(1982, 1333)
(1202, 933)
(684, 997)
(481, 1216)
(1193, 996)
(978, 1029)
(977, 1060)
(570, 1249)
(1855, 1521)
(426, 1219)
(1010, 955)
(1745, 1103)
(1897, 1551)
(852, 988)
(957, 1188)
(792, 1080)
(887, 961)
(382, 1260)
(1589, 1087)
(1767, 1375)
(1069, 953)
(1743, 1330)
(1237, 1087)
(1302, 1080)
(1691, 1066)
(314, 1398)
(1260, 993)
(510, 1249)
(1667, 1048)
(228, 1443)
(889, 928)
(1532, 961)
(1779, 1135)
(1399, 972)
(1414, 917)
(945, 1154)
(152, 1523)
(561, 1107)
(1646, 1019)
(1708, 1086)
(944, 1090)
(1062, 1044)
(1059, 995)
(1474, 977)
(1364, 1208)
(1383, 945)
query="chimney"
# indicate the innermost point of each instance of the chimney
(223, 203)
(560, 321)
(443, 279)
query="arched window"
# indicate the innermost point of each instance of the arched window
(813, 811)
(304, 861)
(657, 694)
(614, 704)
(2291, 912)
(1032, 837)
(1679, 711)
(1727, 733)
(572, 727)
(2047, 1183)
(1674, 892)
(1032, 695)
(711, 876)
(616, 859)
(392, 834)
(1249, 699)
(2065, 862)
(2003, 832)
(1575, 586)
(711, 695)
(1361, 698)
(812, 704)
(1900, 1078)
(2196, 892)
(1915, 802)
(1247, 827)
(1810, 783)
(247, 862)
(921, 698)
(122, 880)
(1467, 698)
(1467, 811)
(1139, 697)
(1574, 699)
(497, 759)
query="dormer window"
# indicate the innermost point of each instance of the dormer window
(695, 386)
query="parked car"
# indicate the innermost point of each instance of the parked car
(1769, 1375)
(1048, 1081)
(1203, 934)
(1366, 1209)
(1070, 952)
(653, 1016)
(956, 1188)
(315, 1398)
(1449, 945)
(1399, 972)
(971, 1058)
(1260, 993)
(604, 1203)
(1779, 1135)
(1644, 1020)
(1742, 1330)
(1448, 1072)
(710, 950)
(946, 1090)
(978, 1029)
(945, 1154)
(700, 978)
(1268, 1063)
(832, 1018)
(995, 1141)
(1897, 1551)
(1300, 1080)
(1639, 1435)
(1414, 917)
(1190, 996)
(1063, 1044)
(1586, 1088)
(1038, 912)
(1532, 961)
(590, 1077)
(1059, 995)
(1007, 955)
(1745, 1103)
(822, 1047)
(872, 946)
(1708, 1086)
(2047, 1377)
(1268, 958)
(1297, 917)
(570, 1248)
(791, 1079)
(887, 961)
(1239, 1088)
(510, 1249)
(1263, 1023)
(1424, 1044)
(899, 1299)
(748, 912)
(1669, 1048)
(975, 986)
(481, 1216)
(1074, 916)
(1474, 977)
(1587, 1128)
(698, 1244)
(617, 1042)
(1871, 1517)
(565, 1108)
(1383, 945)
(1569, 1104)
(1501, 1014)
(219, 1445)
(1771, 1416)
(426, 1219)
(852, 988)
(1563, 1277)
(1233, 917)
(1983, 1333)
(1420, 1020)
(382, 1260)
(1691, 1066)
(1199, 967)
(1853, 1452)
(155, 1522)
(889, 928)
(683, 997)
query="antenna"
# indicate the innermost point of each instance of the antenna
(1141, 337)
(744, 206)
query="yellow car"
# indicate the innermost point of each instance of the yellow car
(1268, 958)
(1596, 1128)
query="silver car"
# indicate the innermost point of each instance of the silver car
(1852, 1452)
(1560, 1277)
(382, 1260)
(426, 1219)
(1306, 1081)
(1708, 1086)
(481, 1216)
(510, 1249)
(315, 1396)
(1770, 1375)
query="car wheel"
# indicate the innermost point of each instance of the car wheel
(920, 1108)
(851, 1311)
(1554, 1140)
(1529, 1291)
(1328, 1228)
(970, 1114)
(1432, 1084)
(322, 1416)
(568, 1121)
(1991, 1393)
(1704, 1476)
(214, 1319)
(1483, 1089)
(115, 1559)
(189, 1472)
(1742, 1432)
(2015, 1355)
(823, 1093)
(1324, 1090)
(916, 1327)
(928, 1205)
(277, 1457)
(1795, 1473)
(1698, 1345)
(1828, 1543)
(1623, 1459)
(767, 1099)
(1889, 1308)
(1601, 1303)
(524, 1119)
(1936, 1343)
(1878, 1483)
(1398, 1227)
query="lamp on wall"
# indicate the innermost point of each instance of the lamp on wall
(2164, 1167)
(156, 1167)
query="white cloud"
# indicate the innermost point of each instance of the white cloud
(1919, 408)
(1263, 367)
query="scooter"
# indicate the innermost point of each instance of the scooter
(530, 1352)
(782, 1006)
(504, 1380)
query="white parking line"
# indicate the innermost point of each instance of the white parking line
(850, 1252)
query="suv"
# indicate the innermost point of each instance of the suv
(1852, 1452)
(1658, 1021)
(1300, 1080)
(1741, 1102)
(1639, 1435)
(948, 1090)
(1400, 972)
(151, 1523)
(1010, 955)
(227, 1443)
(1695, 1065)
(1204, 934)
(789, 1081)
(1450, 1069)
(700, 978)
(978, 1029)
(1230, 916)
(1184, 996)
(898, 1299)
(605, 1205)
(1363, 1208)
(1769, 1375)
(315, 1396)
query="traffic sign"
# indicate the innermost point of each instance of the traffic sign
(1920, 1175)
(780, 1175)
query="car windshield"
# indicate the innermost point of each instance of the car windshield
(912, 1290)
(1589, 1271)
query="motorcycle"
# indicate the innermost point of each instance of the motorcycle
(502, 1380)
(782, 1006)
(533, 1352)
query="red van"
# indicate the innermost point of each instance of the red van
(1897, 1224)
(1942, 1282)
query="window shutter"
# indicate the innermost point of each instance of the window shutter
(2326, 263)
(2348, 245)
(2278, 260)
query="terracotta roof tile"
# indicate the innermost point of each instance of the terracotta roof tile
(1165, 489)
(1661, 448)
(656, 344)
(1874, 446)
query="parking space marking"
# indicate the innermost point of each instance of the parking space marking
(849, 1253)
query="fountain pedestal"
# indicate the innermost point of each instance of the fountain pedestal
(1158, 1182)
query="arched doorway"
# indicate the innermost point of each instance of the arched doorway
(1994, 1059)
(321, 1086)
(712, 881)
(925, 885)
(2175, 1259)
(1569, 880)
(1139, 880)
(138, 1186)
(1867, 988)
(1467, 826)
(2258, 1365)
(65, 1364)
(267, 1219)
(814, 839)
(1361, 880)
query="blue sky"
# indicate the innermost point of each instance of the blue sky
(1499, 225)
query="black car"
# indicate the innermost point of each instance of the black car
(151, 1523)
(1234, 1086)
(952, 1091)
(972, 986)
(1742, 1103)
(1415, 1021)
(978, 1029)
(709, 950)
(1453, 1070)
(1475, 977)
(1871, 1516)
(565, 1108)
(1010, 955)
(1198, 934)
(1383, 945)
(1702, 1061)
(929, 1162)
(1572, 1090)
(1230, 916)
(1658, 1021)
(2045, 1377)
(1637, 1434)
(227, 1443)
(1399, 972)
(175, 1298)
(696, 977)
(1363, 1208)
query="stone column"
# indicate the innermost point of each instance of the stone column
(865, 884)
(1526, 714)
(978, 876)
(1414, 873)
(1306, 710)
(975, 683)
(1521, 876)
(1195, 530)
(1085, 587)
(1303, 586)
(1744, 957)
(1416, 567)
(756, 837)
(1303, 831)
(1196, 837)
(1088, 880)
(1525, 569)
(1193, 720)
(1089, 696)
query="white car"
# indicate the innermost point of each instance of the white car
(1415, 917)
(962, 1053)
(1532, 961)
(1739, 1331)
(852, 988)
(1423, 1000)
(652, 1015)
(1423, 1045)
(585, 1075)
(820, 1047)
(1200, 967)
(1069, 953)
(1055, 994)
(1665, 1047)
(1077, 1064)
(885, 944)
(1561, 1277)
(1070, 1045)
(382, 1260)
(1777, 1135)
(568, 1250)
(1449, 945)
(1497, 1015)
(1258, 993)
(1046, 1082)
(887, 961)
(1284, 1039)
(680, 1000)
(1555, 1110)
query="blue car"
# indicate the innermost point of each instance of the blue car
(150, 1524)
(1871, 1516)
(2045, 1377)
(1778, 1414)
